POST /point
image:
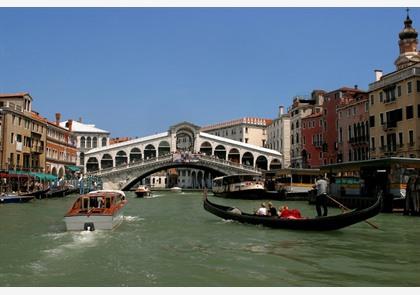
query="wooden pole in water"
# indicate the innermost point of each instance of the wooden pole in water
(345, 208)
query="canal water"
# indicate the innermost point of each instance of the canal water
(170, 240)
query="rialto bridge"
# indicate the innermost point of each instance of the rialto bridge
(123, 165)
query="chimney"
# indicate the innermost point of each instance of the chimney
(378, 75)
(57, 118)
(281, 110)
(69, 124)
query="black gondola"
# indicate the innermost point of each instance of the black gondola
(316, 224)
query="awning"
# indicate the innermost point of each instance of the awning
(73, 168)
(44, 176)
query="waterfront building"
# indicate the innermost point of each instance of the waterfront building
(301, 108)
(22, 134)
(312, 140)
(278, 136)
(353, 129)
(159, 179)
(329, 121)
(87, 137)
(394, 103)
(247, 130)
(61, 153)
(193, 178)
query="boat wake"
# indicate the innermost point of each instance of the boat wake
(132, 218)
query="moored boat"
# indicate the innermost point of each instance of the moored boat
(101, 209)
(176, 189)
(241, 186)
(142, 191)
(317, 224)
(15, 199)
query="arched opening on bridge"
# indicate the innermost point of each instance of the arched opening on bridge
(82, 142)
(248, 159)
(92, 165)
(220, 152)
(103, 141)
(107, 161)
(164, 148)
(234, 156)
(54, 171)
(261, 163)
(95, 142)
(206, 148)
(61, 172)
(121, 158)
(82, 159)
(275, 164)
(185, 140)
(149, 152)
(89, 142)
(135, 155)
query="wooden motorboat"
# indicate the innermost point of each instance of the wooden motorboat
(15, 199)
(96, 210)
(142, 191)
(318, 224)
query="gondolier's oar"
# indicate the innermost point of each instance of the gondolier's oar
(345, 208)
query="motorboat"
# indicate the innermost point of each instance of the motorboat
(241, 186)
(142, 191)
(6, 198)
(176, 189)
(101, 209)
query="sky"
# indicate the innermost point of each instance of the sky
(137, 71)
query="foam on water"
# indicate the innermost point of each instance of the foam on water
(133, 218)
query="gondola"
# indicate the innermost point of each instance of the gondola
(316, 224)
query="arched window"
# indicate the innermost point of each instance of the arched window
(95, 142)
(89, 143)
(82, 142)
(103, 141)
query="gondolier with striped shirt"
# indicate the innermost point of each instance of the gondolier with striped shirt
(321, 186)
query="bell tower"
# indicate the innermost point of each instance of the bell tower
(408, 45)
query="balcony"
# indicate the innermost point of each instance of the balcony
(37, 149)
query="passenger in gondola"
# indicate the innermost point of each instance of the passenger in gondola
(285, 212)
(262, 211)
(271, 210)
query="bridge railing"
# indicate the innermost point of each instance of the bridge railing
(177, 158)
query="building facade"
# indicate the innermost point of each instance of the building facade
(394, 103)
(301, 108)
(246, 130)
(278, 136)
(61, 153)
(312, 140)
(22, 134)
(87, 137)
(353, 129)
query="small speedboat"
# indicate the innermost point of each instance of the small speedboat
(176, 189)
(101, 209)
(15, 199)
(143, 191)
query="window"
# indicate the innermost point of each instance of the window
(382, 141)
(372, 121)
(409, 112)
(372, 143)
(400, 138)
(411, 137)
(418, 85)
(246, 140)
(104, 141)
(382, 118)
(246, 129)
(372, 99)
(381, 96)
(409, 87)
(12, 137)
(399, 90)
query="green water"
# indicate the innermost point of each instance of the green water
(169, 240)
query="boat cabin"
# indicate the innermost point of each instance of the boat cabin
(97, 203)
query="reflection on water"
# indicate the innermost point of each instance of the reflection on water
(169, 240)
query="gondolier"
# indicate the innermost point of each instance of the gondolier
(321, 186)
